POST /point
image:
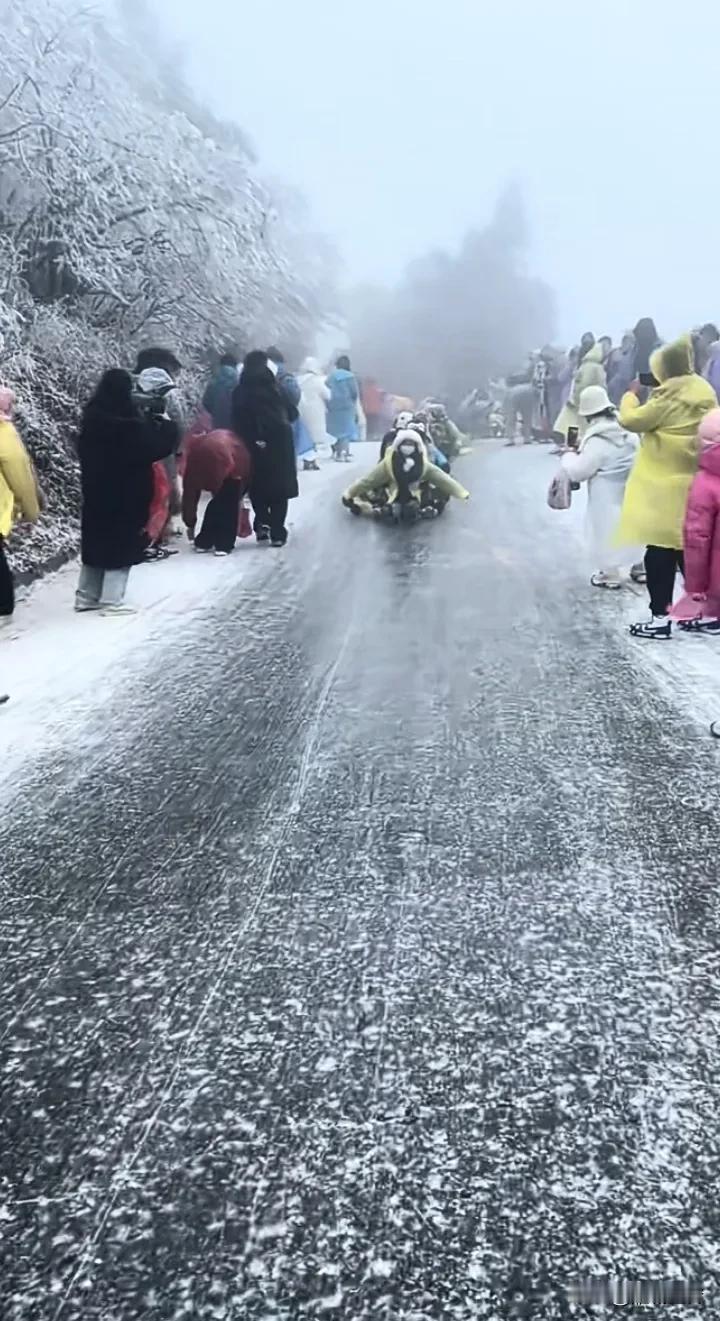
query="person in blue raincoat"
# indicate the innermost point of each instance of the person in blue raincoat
(342, 409)
(290, 390)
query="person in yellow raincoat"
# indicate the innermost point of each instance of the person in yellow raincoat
(404, 482)
(18, 495)
(656, 494)
(590, 371)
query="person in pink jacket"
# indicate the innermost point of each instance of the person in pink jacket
(699, 609)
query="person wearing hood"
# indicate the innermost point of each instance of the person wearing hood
(260, 419)
(620, 368)
(657, 491)
(400, 423)
(314, 397)
(217, 399)
(604, 461)
(117, 448)
(702, 340)
(699, 609)
(647, 341)
(18, 495)
(711, 370)
(289, 388)
(342, 409)
(163, 360)
(397, 481)
(590, 371)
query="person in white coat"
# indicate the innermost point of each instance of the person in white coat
(314, 396)
(604, 461)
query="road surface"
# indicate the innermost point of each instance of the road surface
(362, 960)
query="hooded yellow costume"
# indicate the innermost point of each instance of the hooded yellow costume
(656, 494)
(382, 477)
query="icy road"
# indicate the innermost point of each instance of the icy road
(359, 940)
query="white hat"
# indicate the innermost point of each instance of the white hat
(594, 399)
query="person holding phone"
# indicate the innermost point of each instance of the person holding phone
(604, 463)
(656, 494)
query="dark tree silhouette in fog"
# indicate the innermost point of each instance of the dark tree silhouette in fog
(455, 321)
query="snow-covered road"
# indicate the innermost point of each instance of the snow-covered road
(359, 939)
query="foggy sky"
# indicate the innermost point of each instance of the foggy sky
(401, 120)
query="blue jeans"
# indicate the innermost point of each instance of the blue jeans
(100, 587)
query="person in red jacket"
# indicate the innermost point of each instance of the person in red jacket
(219, 463)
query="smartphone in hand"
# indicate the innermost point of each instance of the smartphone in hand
(572, 438)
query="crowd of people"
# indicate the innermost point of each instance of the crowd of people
(640, 427)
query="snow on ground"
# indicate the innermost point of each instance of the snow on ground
(56, 665)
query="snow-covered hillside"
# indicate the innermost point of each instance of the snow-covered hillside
(128, 215)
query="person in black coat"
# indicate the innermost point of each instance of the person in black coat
(262, 418)
(117, 448)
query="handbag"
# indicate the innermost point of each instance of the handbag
(559, 495)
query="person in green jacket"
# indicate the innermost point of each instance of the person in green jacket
(404, 482)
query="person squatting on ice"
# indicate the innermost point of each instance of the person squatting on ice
(404, 482)
(117, 448)
(219, 463)
(260, 419)
(342, 409)
(18, 492)
(604, 461)
(657, 490)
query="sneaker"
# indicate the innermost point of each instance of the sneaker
(311, 465)
(201, 550)
(121, 610)
(262, 534)
(659, 626)
(700, 625)
(221, 554)
(86, 607)
(611, 584)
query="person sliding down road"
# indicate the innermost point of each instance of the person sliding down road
(401, 423)
(397, 484)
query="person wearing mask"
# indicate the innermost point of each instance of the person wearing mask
(18, 495)
(590, 371)
(314, 397)
(117, 448)
(262, 418)
(620, 368)
(217, 399)
(404, 482)
(218, 463)
(604, 461)
(342, 417)
(656, 494)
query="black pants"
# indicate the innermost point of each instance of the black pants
(7, 591)
(270, 517)
(661, 565)
(220, 524)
